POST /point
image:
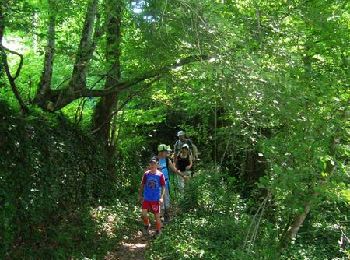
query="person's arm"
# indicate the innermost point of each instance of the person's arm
(162, 183)
(141, 188)
(162, 194)
(175, 152)
(173, 168)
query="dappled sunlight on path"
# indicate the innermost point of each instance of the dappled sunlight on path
(131, 248)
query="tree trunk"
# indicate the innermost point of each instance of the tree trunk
(86, 48)
(107, 104)
(46, 76)
(293, 229)
(53, 99)
(3, 49)
(2, 28)
(2, 22)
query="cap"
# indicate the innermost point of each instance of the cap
(180, 133)
(162, 148)
(185, 146)
(153, 160)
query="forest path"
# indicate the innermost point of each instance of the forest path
(133, 248)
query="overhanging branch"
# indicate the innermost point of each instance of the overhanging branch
(124, 85)
(59, 98)
(144, 88)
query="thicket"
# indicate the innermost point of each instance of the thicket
(51, 174)
(217, 223)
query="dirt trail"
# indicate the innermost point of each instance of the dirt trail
(133, 248)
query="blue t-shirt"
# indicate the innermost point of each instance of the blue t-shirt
(152, 183)
(163, 168)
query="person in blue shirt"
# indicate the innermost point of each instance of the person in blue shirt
(150, 196)
(165, 165)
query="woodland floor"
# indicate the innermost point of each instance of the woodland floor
(134, 247)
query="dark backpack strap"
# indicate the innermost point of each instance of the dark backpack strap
(167, 166)
(167, 163)
(189, 142)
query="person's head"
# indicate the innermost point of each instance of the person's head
(153, 164)
(163, 150)
(181, 135)
(185, 149)
(169, 151)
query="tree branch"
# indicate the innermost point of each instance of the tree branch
(124, 85)
(146, 87)
(59, 98)
(11, 78)
(20, 65)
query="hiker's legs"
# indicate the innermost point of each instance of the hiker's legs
(188, 173)
(180, 183)
(166, 204)
(166, 200)
(158, 222)
(145, 217)
(146, 224)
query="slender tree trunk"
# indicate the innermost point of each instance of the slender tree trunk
(11, 78)
(46, 76)
(2, 22)
(54, 99)
(106, 105)
(2, 27)
(293, 229)
(86, 48)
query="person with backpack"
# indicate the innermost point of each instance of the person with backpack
(184, 140)
(152, 181)
(184, 164)
(165, 166)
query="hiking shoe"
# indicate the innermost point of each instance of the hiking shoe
(146, 229)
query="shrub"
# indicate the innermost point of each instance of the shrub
(50, 173)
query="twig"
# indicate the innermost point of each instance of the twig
(254, 225)
(20, 65)
(11, 78)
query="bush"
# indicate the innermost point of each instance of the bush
(50, 174)
(211, 225)
(214, 223)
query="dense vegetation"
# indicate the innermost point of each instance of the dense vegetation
(89, 88)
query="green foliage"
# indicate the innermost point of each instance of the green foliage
(269, 109)
(214, 224)
(50, 174)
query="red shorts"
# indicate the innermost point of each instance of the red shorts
(151, 206)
